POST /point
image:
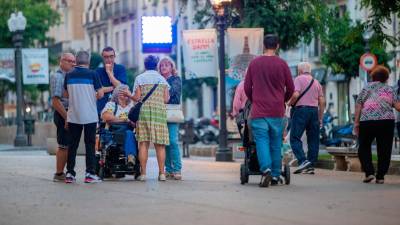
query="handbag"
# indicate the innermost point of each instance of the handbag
(134, 112)
(174, 113)
(293, 107)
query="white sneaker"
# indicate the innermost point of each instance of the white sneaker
(306, 164)
(162, 177)
(142, 178)
(91, 178)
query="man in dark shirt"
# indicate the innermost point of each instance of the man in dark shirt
(111, 75)
(268, 85)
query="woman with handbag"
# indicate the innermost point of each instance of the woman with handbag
(151, 91)
(173, 162)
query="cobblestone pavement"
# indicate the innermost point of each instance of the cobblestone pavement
(209, 194)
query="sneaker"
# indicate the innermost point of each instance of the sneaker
(142, 178)
(59, 177)
(69, 178)
(265, 179)
(177, 176)
(309, 170)
(380, 181)
(275, 181)
(306, 164)
(91, 178)
(162, 177)
(368, 179)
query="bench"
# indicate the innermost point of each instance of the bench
(346, 158)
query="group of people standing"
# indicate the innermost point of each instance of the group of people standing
(269, 86)
(82, 97)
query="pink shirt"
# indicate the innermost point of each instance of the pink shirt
(310, 98)
(239, 101)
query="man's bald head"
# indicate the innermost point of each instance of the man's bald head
(67, 61)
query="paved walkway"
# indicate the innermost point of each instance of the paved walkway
(209, 194)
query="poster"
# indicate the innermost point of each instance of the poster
(243, 45)
(7, 66)
(200, 53)
(35, 66)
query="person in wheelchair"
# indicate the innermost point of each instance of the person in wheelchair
(115, 115)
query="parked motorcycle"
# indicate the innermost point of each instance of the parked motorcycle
(331, 135)
(205, 130)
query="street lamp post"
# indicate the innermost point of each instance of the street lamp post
(16, 25)
(367, 36)
(223, 152)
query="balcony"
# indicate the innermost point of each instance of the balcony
(122, 8)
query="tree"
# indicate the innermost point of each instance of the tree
(293, 21)
(40, 17)
(381, 12)
(345, 45)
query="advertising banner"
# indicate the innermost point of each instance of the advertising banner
(7, 66)
(200, 53)
(35, 66)
(243, 45)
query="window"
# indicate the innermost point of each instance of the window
(125, 40)
(98, 43)
(105, 39)
(117, 41)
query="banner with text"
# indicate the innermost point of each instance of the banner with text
(35, 66)
(243, 45)
(200, 53)
(7, 66)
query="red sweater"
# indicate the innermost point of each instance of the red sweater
(268, 85)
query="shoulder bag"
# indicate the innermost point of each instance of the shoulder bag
(293, 107)
(134, 112)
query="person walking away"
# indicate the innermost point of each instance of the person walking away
(83, 87)
(60, 105)
(374, 119)
(111, 76)
(151, 126)
(173, 161)
(268, 85)
(309, 105)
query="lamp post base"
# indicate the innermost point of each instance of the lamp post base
(224, 155)
(20, 140)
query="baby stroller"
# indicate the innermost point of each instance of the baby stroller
(111, 157)
(250, 165)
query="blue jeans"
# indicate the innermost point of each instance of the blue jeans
(305, 119)
(130, 144)
(267, 134)
(173, 163)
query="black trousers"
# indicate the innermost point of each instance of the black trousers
(75, 131)
(382, 131)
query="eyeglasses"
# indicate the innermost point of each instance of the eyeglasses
(109, 56)
(69, 61)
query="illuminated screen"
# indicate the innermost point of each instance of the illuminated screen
(156, 30)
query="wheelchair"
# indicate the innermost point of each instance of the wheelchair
(112, 159)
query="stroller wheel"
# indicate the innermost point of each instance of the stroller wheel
(244, 175)
(286, 174)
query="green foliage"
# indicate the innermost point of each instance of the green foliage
(39, 15)
(95, 60)
(345, 45)
(381, 14)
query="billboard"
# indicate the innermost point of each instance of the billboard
(7, 66)
(35, 66)
(157, 34)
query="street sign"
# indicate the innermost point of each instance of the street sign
(368, 61)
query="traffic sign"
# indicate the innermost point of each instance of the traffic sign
(368, 61)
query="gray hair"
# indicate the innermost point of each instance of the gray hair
(304, 67)
(117, 90)
(82, 58)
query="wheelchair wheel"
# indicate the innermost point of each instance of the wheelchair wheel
(244, 175)
(286, 174)
(137, 171)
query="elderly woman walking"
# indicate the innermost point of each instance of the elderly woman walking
(374, 119)
(173, 162)
(152, 124)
